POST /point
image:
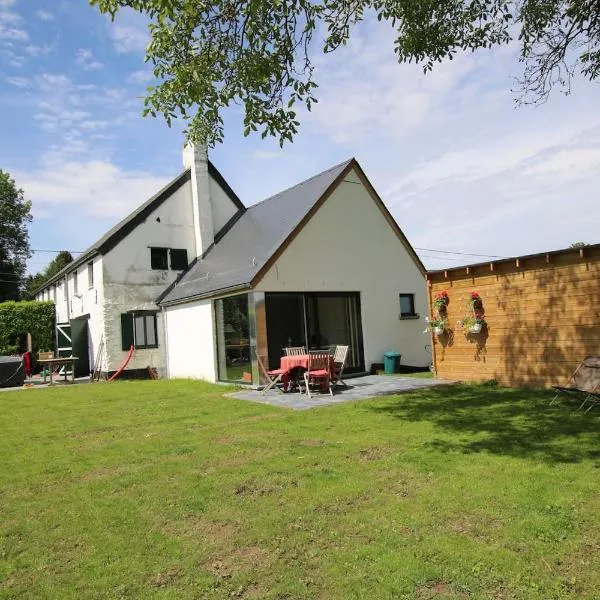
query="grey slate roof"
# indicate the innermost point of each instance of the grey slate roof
(251, 241)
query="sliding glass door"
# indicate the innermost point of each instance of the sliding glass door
(316, 320)
(233, 339)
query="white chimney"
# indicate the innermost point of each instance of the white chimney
(196, 158)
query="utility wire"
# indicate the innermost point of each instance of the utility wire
(58, 251)
(462, 253)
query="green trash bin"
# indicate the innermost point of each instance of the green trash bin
(391, 362)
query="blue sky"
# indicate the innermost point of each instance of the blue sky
(458, 165)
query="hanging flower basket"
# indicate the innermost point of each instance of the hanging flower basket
(476, 328)
(436, 325)
(440, 301)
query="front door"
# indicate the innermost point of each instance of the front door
(80, 345)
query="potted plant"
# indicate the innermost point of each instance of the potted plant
(474, 302)
(436, 324)
(472, 323)
(440, 301)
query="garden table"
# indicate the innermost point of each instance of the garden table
(299, 361)
(60, 361)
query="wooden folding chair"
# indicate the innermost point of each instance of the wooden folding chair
(339, 362)
(272, 377)
(295, 350)
(584, 384)
(319, 371)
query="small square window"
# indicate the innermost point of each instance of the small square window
(179, 260)
(407, 305)
(159, 259)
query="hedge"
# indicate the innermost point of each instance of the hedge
(18, 318)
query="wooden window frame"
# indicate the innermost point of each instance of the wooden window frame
(128, 319)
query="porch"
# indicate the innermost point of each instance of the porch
(358, 388)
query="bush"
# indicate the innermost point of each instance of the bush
(20, 318)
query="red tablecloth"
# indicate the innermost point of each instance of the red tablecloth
(301, 360)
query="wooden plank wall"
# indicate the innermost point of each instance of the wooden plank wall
(543, 318)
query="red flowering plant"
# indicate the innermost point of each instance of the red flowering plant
(440, 300)
(474, 301)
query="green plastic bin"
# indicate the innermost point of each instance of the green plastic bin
(391, 362)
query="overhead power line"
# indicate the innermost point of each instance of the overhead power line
(58, 251)
(461, 253)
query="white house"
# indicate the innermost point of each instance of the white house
(200, 285)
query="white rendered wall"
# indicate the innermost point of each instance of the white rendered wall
(190, 340)
(87, 301)
(348, 246)
(131, 284)
(222, 206)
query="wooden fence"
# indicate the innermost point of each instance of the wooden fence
(542, 315)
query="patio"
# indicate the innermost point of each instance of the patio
(358, 388)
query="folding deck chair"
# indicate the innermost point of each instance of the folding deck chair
(272, 377)
(583, 384)
(319, 371)
(295, 350)
(339, 362)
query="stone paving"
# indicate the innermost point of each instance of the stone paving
(358, 388)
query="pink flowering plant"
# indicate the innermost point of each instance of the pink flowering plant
(440, 300)
(474, 300)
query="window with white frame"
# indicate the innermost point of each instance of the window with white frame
(90, 274)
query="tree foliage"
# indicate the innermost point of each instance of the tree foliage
(209, 54)
(19, 318)
(14, 238)
(33, 282)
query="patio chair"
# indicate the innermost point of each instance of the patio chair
(273, 378)
(339, 362)
(584, 384)
(319, 371)
(295, 350)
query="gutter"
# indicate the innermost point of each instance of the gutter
(212, 294)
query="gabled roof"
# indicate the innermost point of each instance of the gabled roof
(240, 258)
(250, 242)
(114, 235)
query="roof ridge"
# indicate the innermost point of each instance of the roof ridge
(344, 163)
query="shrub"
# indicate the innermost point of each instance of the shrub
(19, 318)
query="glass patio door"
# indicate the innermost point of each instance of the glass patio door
(334, 319)
(314, 320)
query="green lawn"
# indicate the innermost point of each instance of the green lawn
(169, 490)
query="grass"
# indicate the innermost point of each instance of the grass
(169, 490)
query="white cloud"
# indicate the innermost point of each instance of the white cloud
(85, 59)
(96, 187)
(141, 76)
(21, 82)
(10, 24)
(129, 32)
(44, 15)
(37, 51)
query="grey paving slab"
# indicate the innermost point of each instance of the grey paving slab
(358, 388)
